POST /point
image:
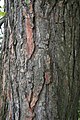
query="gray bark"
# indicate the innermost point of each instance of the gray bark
(1, 21)
(41, 60)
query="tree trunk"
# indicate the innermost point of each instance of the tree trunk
(41, 60)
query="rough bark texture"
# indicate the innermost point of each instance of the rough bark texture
(0, 81)
(41, 60)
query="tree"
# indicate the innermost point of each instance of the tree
(41, 60)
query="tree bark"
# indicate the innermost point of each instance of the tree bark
(41, 60)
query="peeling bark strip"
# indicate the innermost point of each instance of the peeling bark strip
(41, 60)
(29, 34)
(47, 77)
(28, 14)
(36, 95)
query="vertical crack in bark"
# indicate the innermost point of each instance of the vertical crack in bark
(47, 102)
(17, 90)
(64, 26)
(11, 83)
(34, 24)
(74, 60)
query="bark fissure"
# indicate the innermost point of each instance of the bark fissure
(41, 59)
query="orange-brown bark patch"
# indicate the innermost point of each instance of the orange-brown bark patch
(29, 36)
(47, 77)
